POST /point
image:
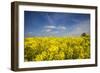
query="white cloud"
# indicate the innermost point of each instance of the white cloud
(75, 30)
(53, 30)
(30, 32)
(50, 27)
(48, 30)
(82, 27)
(50, 20)
(55, 27)
(61, 27)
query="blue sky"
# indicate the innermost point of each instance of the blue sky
(55, 24)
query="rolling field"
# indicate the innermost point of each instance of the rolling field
(56, 48)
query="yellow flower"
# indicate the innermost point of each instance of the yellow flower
(53, 48)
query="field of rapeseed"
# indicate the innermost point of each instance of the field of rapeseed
(56, 48)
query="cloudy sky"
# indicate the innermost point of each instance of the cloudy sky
(55, 24)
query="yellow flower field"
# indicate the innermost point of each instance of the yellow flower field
(56, 48)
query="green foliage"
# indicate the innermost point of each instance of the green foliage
(57, 48)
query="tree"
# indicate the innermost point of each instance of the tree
(83, 34)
